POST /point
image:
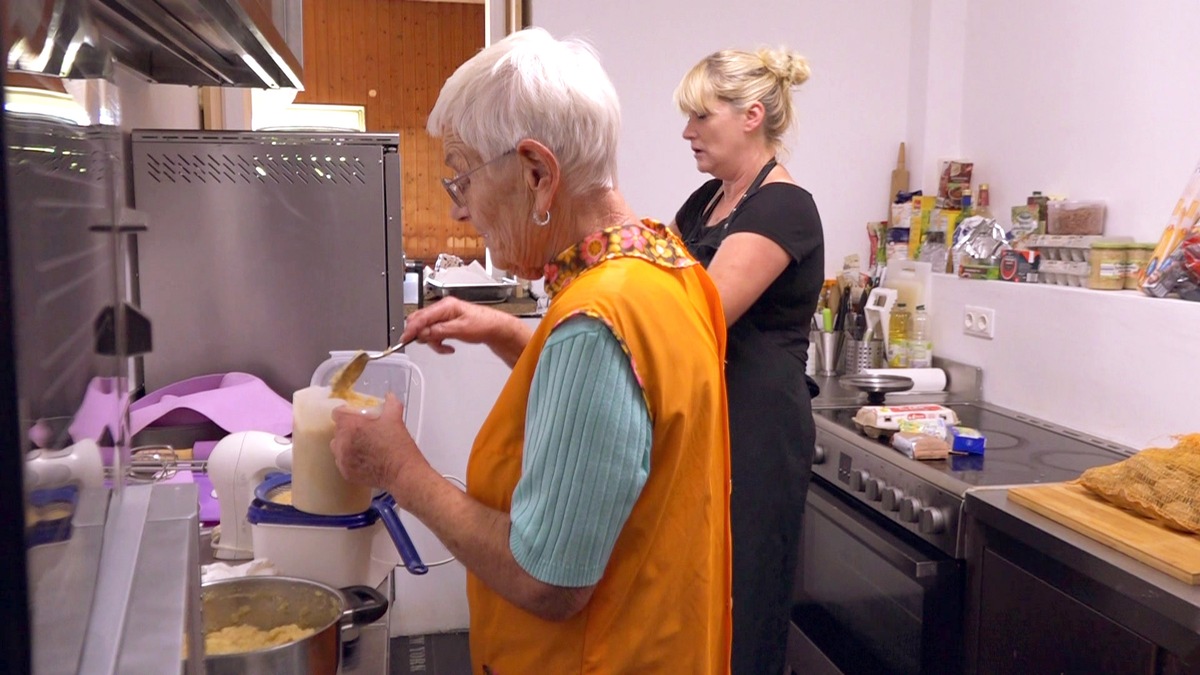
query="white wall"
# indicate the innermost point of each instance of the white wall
(145, 105)
(1090, 100)
(1087, 99)
(853, 112)
(1117, 365)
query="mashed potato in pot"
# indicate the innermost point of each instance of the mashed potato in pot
(243, 638)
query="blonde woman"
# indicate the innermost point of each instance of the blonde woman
(759, 235)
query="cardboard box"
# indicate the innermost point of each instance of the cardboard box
(1020, 266)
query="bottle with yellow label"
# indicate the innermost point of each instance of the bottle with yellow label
(897, 349)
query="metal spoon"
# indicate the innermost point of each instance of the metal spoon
(349, 374)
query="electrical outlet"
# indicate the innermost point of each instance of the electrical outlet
(979, 322)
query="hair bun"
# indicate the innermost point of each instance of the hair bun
(787, 65)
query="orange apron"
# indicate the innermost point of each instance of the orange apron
(663, 603)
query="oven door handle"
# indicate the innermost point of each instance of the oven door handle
(904, 558)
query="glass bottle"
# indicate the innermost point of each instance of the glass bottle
(920, 347)
(983, 206)
(968, 206)
(897, 349)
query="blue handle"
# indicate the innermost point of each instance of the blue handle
(385, 505)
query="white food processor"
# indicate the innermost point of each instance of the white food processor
(288, 537)
(238, 464)
(357, 548)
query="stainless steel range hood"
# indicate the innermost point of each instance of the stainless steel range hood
(194, 42)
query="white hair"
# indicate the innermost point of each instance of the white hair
(530, 85)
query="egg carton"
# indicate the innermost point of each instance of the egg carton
(1064, 273)
(1071, 248)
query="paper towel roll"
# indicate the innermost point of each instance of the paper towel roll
(925, 380)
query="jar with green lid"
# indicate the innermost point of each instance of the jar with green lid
(1108, 260)
(1139, 255)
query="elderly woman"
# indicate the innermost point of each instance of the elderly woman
(595, 522)
(758, 234)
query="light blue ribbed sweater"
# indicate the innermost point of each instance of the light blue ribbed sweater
(586, 458)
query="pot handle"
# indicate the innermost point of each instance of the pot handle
(385, 506)
(364, 606)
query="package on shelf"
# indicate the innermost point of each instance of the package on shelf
(1065, 257)
(1075, 217)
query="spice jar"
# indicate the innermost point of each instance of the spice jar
(1135, 263)
(1108, 265)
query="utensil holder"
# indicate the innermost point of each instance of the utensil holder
(859, 355)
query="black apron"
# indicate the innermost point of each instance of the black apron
(771, 446)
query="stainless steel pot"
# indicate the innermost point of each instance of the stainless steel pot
(270, 602)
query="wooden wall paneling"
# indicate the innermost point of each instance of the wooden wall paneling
(314, 51)
(350, 49)
(404, 50)
(374, 46)
(394, 81)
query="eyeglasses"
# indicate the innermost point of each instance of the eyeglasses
(457, 187)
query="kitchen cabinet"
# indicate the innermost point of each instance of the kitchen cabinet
(1042, 598)
(1027, 626)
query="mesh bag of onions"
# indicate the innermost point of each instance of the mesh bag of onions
(1159, 483)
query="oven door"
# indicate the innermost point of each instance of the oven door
(870, 597)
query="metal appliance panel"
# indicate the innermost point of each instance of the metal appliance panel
(196, 42)
(265, 251)
(866, 600)
(60, 269)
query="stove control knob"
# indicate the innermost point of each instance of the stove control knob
(818, 454)
(858, 479)
(875, 488)
(891, 498)
(933, 520)
(910, 509)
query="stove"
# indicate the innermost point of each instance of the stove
(925, 497)
(880, 580)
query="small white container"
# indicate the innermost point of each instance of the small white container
(336, 550)
(336, 556)
(410, 288)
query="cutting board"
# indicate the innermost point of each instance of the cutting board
(1072, 505)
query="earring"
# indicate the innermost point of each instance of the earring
(541, 222)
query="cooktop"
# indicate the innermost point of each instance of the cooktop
(1020, 449)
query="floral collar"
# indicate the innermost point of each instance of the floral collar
(649, 240)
